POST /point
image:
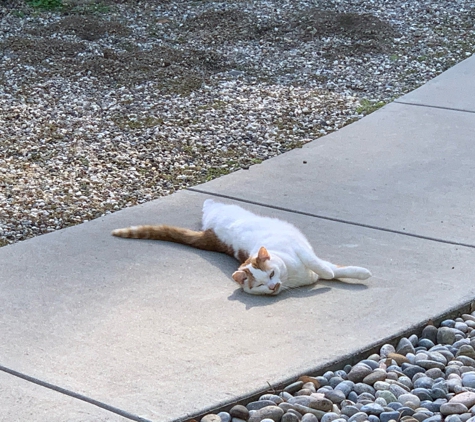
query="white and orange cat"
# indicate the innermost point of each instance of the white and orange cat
(273, 254)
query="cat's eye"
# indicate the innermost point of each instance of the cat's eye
(271, 274)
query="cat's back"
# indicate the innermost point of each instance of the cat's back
(235, 224)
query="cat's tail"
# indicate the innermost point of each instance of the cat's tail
(206, 240)
(358, 273)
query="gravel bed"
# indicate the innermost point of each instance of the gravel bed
(429, 378)
(107, 105)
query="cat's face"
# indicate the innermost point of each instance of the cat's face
(261, 274)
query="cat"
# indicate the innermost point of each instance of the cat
(273, 254)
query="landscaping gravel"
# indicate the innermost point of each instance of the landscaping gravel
(104, 105)
(429, 378)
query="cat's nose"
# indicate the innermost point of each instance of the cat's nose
(275, 287)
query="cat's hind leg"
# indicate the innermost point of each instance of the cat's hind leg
(358, 273)
(322, 268)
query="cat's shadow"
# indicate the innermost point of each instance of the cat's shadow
(321, 287)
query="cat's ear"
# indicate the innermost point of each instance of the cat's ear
(240, 277)
(263, 255)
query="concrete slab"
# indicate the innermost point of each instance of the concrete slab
(403, 168)
(160, 331)
(23, 401)
(455, 89)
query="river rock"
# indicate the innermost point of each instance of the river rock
(466, 398)
(358, 372)
(309, 417)
(376, 375)
(453, 408)
(430, 332)
(445, 335)
(404, 347)
(345, 387)
(372, 409)
(211, 417)
(398, 358)
(269, 412)
(386, 349)
(259, 404)
(388, 416)
(290, 417)
(335, 396)
(410, 400)
(358, 417)
(239, 411)
(294, 387)
(468, 379)
(329, 417)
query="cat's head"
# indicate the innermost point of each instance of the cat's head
(261, 274)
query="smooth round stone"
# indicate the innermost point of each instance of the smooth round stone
(434, 373)
(466, 398)
(350, 410)
(381, 385)
(422, 393)
(406, 411)
(360, 387)
(365, 396)
(386, 395)
(211, 417)
(453, 409)
(449, 370)
(309, 417)
(372, 409)
(224, 416)
(329, 374)
(446, 335)
(467, 361)
(314, 403)
(422, 415)
(347, 368)
(273, 397)
(321, 380)
(345, 387)
(284, 406)
(429, 332)
(266, 420)
(395, 405)
(353, 396)
(334, 381)
(425, 342)
(445, 350)
(454, 384)
(398, 358)
(435, 418)
(371, 363)
(305, 392)
(294, 387)
(285, 396)
(359, 372)
(438, 357)
(239, 411)
(386, 349)
(405, 381)
(438, 393)
(468, 379)
(410, 400)
(290, 417)
(410, 370)
(298, 414)
(423, 382)
(405, 346)
(448, 323)
(388, 416)
(256, 405)
(408, 419)
(341, 373)
(453, 418)
(376, 375)
(373, 418)
(430, 405)
(429, 364)
(397, 390)
(413, 339)
(358, 417)
(461, 326)
(329, 417)
(335, 396)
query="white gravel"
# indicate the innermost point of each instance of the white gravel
(103, 107)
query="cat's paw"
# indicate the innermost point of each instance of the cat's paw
(326, 272)
(363, 274)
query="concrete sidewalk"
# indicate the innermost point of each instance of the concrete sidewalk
(107, 329)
